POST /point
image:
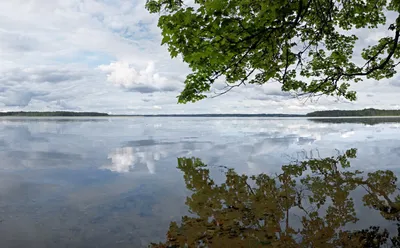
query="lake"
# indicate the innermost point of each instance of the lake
(121, 182)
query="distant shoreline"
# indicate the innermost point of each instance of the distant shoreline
(365, 113)
(98, 114)
(199, 116)
(352, 117)
(369, 112)
(213, 115)
(51, 114)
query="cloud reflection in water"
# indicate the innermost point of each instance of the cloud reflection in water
(127, 159)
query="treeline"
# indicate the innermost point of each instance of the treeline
(53, 113)
(363, 112)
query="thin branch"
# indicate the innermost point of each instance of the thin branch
(386, 61)
(250, 189)
(376, 55)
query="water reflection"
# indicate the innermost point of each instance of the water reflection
(88, 184)
(127, 159)
(365, 120)
(311, 203)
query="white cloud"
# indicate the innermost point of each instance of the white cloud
(144, 81)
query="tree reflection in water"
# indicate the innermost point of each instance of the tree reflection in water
(258, 210)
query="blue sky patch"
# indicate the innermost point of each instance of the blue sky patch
(92, 59)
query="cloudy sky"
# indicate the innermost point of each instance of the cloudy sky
(105, 55)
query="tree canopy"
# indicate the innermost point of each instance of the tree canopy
(306, 45)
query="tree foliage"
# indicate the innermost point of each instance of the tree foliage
(306, 45)
(308, 205)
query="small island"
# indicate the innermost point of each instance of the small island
(51, 113)
(354, 113)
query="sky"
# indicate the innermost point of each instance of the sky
(105, 56)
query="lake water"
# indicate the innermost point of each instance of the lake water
(118, 182)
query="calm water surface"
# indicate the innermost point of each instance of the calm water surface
(120, 182)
